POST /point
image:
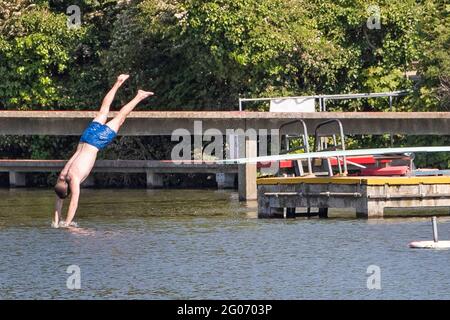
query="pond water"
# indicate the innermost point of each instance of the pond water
(205, 244)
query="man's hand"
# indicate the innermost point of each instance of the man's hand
(122, 78)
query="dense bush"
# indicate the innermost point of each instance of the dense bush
(205, 54)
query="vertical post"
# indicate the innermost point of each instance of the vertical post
(435, 231)
(16, 179)
(323, 213)
(154, 180)
(390, 109)
(240, 104)
(225, 180)
(366, 208)
(290, 213)
(233, 146)
(247, 171)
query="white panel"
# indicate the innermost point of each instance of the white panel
(293, 105)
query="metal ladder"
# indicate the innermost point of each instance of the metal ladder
(322, 145)
(298, 165)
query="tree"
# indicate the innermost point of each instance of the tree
(434, 66)
(35, 50)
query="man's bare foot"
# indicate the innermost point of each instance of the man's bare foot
(55, 225)
(144, 94)
(122, 78)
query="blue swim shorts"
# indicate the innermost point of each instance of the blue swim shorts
(98, 135)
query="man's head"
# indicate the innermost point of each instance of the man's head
(62, 189)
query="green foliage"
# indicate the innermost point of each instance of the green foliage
(434, 66)
(87, 79)
(32, 60)
(205, 54)
(200, 54)
(376, 59)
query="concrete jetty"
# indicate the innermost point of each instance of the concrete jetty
(368, 196)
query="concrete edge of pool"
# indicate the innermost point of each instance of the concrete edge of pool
(369, 196)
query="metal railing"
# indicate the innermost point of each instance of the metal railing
(324, 97)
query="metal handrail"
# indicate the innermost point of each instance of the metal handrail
(305, 139)
(323, 97)
(342, 145)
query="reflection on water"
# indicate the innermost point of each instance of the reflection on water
(196, 244)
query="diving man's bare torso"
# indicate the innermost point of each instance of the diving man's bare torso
(83, 162)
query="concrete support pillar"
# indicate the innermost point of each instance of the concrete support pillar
(225, 180)
(323, 213)
(272, 213)
(247, 172)
(154, 180)
(16, 179)
(370, 209)
(89, 182)
(290, 213)
(265, 210)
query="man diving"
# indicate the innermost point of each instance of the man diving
(97, 136)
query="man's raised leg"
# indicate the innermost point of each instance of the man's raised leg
(118, 120)
(102, 115)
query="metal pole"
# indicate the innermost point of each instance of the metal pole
(435, 234)
(390, 108)
(322, 98)
(435, 231)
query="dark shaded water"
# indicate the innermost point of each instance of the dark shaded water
(197, 244)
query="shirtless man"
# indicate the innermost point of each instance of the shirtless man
(97, 136)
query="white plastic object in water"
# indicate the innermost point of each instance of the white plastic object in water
(435, 244)
(430, 245)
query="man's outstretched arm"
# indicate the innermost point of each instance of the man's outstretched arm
(75, 192)
(58, 209)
